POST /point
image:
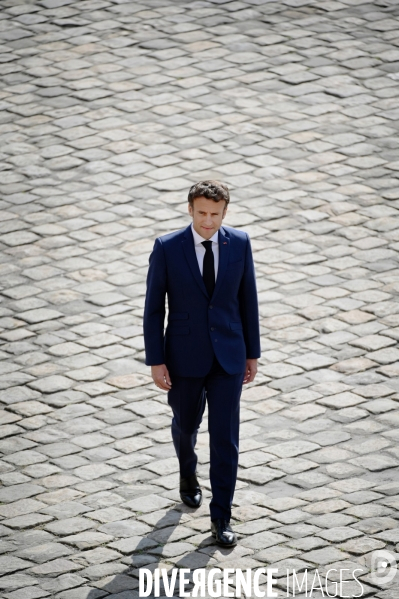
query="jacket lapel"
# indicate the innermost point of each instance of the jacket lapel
(224, 249)
(189, 251)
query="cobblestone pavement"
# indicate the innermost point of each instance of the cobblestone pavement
(110, 109)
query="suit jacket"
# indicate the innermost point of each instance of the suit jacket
(199, 326)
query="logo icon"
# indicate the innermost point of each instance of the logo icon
(383, 567)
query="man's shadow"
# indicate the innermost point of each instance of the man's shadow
(162, 544)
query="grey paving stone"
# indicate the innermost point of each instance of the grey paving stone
(339, 534)
(175, 533)
(109, 514)
(252, 527)
(331, 520)
(69, 526)
(52, 384)
(259, 475)
(63, 582)
(292, 448)
(131, 544)
(125, 528)
(43, 553)
(17, 492)
(86, 540)
(375, 462)
(148, 503)
(12, 564)
(25, 458)
(298, 531)
(307, 543)
(56, 566)
(67, 509)
(325, 556)
(17, 581)
(21, 507)
(376, 524)
(263, 540)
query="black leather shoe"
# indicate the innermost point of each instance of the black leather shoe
(223, 533)
(190, 491)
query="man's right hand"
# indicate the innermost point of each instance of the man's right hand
(161, 378)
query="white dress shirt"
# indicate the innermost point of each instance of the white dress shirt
(200, 250)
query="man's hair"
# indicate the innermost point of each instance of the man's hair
(212, 190)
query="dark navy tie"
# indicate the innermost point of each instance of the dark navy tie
(208, 273)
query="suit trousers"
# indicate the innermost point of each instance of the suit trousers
(187, 398)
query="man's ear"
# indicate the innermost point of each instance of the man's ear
(224, 212)
(190, 209)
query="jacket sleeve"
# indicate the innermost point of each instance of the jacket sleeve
(154, 310)
(248, 298)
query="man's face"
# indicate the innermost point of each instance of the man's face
(207, 216)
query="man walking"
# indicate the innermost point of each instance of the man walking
(211, 343)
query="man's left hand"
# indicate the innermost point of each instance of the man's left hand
(251, 368)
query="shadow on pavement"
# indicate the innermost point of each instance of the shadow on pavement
(165, 543)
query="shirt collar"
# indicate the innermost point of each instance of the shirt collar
(198, 239)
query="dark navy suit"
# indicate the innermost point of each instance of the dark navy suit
(204, 347)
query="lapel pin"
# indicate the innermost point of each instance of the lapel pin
(224, 242)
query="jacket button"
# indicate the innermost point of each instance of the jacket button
(210, 307)
(212, 328)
